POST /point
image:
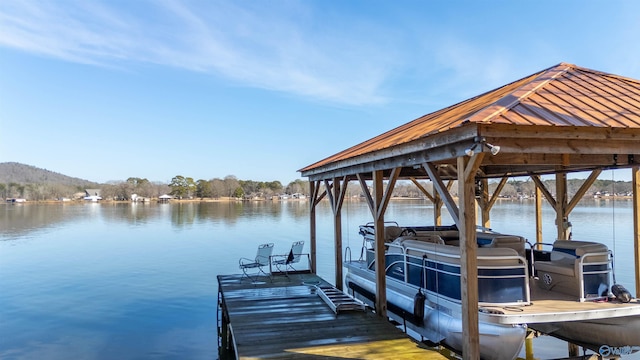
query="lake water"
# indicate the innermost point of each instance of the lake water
(138, 281)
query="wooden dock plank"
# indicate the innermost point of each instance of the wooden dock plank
(284, 318)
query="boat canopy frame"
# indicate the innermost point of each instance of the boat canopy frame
(557, 121)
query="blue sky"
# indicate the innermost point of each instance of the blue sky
(106, 90)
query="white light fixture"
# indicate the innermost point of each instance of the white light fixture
(495, 149)
(470, 151)
(478, 140)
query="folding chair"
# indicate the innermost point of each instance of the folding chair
(261, 260)
(286, 262)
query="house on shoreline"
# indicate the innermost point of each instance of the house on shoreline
(93, 194)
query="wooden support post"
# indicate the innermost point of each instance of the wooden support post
(378, 205)
(562, 223)
(561, 204)
(367, 195)
(583, 190)
(313, 191)
(635, 176)
(486, 202)
(574, 350)
(336, 192)
(437, 210)
(562, 219)
(441, 201)
(443, 191)
(435, 198)
(485, 207)
(468, 260)
(538, 217)
(541, 190)
(381, 280)
(337, 234)
(438, 203)
(528, 345)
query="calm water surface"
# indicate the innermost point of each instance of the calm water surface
(138, 281)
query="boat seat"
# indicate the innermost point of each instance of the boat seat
(447, 235)
(512, 254)
(439, 252)
(431, 238)
(516, 243)
(398, 245)
(391, 233)
(564, 272)
(562, 267)
(502, 241)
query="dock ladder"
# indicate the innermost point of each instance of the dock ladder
(337, 300)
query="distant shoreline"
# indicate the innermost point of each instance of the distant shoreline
(230, 199)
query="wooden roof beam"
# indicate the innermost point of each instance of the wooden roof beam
(583, 146)
(544, 190)
(532, 158)
(518, 170)
(583, 190)
(635, 181)
(367, 193)
(442, 189)
(504, 131)
(388, 192)
(423, 190)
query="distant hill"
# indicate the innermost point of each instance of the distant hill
(13, 172)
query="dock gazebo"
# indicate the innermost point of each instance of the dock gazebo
(557, 121)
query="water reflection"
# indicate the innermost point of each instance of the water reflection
(602, 220)
(21, 219)
(122, 280)
(589, 218)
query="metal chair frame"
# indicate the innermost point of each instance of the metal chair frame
(262, 259)
(286, 262)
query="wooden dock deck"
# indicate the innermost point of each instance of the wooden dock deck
(284, 318)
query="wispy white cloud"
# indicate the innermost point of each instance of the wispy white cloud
(73, 32)
(333, 53)
(251, 43)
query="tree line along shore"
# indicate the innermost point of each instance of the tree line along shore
(232, 189)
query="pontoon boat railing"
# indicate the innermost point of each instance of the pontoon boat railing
(582, 272)
(439, 258)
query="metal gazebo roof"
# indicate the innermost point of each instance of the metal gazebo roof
(562, 119)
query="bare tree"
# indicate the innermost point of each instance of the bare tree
(231, 184)
(217, 187)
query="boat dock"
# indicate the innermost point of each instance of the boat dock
(300, 316)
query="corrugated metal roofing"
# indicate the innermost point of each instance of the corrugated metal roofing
(563, 95)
